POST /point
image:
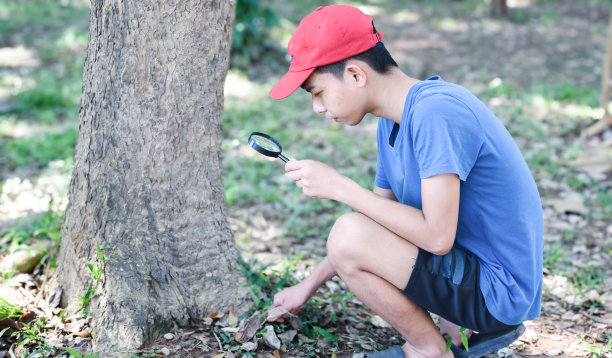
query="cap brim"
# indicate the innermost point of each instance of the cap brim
(289, 83)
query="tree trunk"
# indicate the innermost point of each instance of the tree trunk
(147, 182)
(499, 8)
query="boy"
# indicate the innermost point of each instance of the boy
(454, 223)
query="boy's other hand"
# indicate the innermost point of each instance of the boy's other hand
(317, 180)
(292, 299)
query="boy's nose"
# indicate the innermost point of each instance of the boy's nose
(318, 107)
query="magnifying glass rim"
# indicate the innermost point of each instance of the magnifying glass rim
(253, 143)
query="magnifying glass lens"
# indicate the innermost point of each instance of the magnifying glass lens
(266, 143)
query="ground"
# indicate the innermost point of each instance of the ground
(539, 72)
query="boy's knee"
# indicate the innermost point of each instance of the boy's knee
(344, 238)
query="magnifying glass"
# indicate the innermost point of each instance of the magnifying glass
(266, 145)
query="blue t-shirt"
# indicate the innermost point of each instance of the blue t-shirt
(446, 129)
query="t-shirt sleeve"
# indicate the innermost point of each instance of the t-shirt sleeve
(447, 137)
(381, 180)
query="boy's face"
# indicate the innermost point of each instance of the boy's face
(339, 99)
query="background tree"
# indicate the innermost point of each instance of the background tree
(147, 184)
(499, 8)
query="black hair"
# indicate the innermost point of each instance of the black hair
(377, 57)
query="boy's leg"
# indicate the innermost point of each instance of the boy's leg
(376, 264)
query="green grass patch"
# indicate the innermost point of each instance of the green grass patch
(38, 151)
(32, 18)
(46, 227)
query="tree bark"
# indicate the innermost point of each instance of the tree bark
(499, 8)
(147, 181)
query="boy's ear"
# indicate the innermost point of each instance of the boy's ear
(356, 74)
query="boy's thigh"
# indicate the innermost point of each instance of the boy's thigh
(358, 242)
(449, 286)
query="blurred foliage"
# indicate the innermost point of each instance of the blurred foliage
(251, 40)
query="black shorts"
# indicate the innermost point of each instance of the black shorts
(449, 286)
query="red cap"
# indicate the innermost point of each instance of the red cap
(327, 35)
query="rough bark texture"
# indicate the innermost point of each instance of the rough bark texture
(147, 182)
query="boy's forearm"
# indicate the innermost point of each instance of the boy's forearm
(319, 275)
(404, 220)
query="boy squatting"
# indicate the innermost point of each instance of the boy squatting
(454, 223)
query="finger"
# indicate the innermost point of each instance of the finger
(293, 165)
(294, 175)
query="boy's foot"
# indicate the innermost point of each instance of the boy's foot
(485, 343)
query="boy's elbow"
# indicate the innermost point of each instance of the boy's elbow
(442, 245)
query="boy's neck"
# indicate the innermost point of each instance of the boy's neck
(389, 94)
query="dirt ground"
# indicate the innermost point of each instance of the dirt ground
(468, 52)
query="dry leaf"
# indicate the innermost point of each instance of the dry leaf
(251, 326)
(572, 203)
(275, 313)
(220, 355)
(270, 338)
(83, 334)
(276, 354)
(233, 319)
(287, 336)
(237, 336)
(249, 346)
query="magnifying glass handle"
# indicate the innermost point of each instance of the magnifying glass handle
(283, 158)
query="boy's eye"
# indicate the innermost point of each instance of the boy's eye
(317, 94)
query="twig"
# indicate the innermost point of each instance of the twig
(218, 341)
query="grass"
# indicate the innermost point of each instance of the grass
(46, 227)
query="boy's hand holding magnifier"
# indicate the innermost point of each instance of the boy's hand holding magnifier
(317, 180)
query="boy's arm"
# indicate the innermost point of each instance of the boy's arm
(293, 298)
(433, 228)
(385, 193)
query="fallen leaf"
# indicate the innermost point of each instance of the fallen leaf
(295, 322)
(55, 298)
(275, 313)
(571, 203)
(233, 319)
(220, 355)
(238, 336)
(83, 334)
(270, 338)
(251, 326)
(276, 354)
(287, 336)
(249, 346)
(595, 160)
(379, 322)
